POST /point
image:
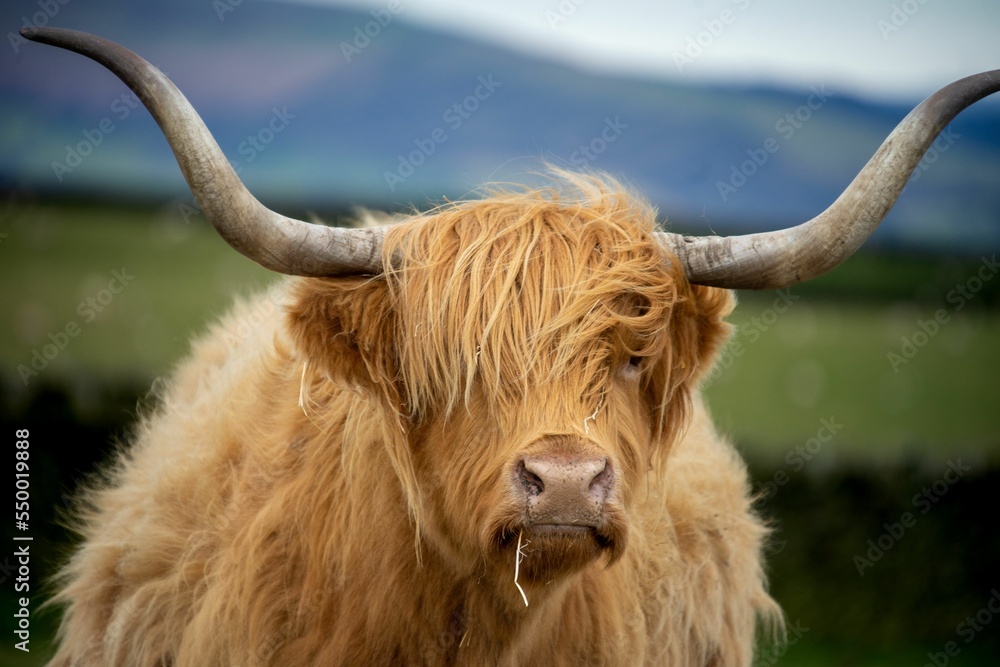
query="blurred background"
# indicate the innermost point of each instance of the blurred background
(864, 401)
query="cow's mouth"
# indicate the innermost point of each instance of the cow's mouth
(549, 536)
(550, 550)
(543, 533)
(561, 529)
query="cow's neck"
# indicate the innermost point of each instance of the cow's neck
(483, 613)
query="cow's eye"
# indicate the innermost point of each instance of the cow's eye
(633, 368)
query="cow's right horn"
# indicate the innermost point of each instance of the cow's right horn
(773, 260)
(272, 240)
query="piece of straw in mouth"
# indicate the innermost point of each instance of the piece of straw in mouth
(517, 567)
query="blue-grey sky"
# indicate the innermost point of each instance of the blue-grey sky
(888, 49)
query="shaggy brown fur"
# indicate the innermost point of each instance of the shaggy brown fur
(334, 487)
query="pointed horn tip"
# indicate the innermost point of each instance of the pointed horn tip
(29, 32)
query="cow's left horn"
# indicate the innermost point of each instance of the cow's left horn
(773, 260)
(276, 242)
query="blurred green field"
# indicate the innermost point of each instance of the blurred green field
(61, 257)
(830, 360)
(798, 364)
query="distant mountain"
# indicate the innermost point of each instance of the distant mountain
(327, 107)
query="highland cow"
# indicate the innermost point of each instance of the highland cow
(473, 437)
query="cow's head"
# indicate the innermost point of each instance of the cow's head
(538, 354)
(538, 349)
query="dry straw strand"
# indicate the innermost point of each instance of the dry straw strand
(517, 567)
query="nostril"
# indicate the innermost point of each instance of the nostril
(531, 482)
(603, 480)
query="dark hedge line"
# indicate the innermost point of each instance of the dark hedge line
(890, 556)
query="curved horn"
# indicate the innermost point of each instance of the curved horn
(773, 260)
(276, 242)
